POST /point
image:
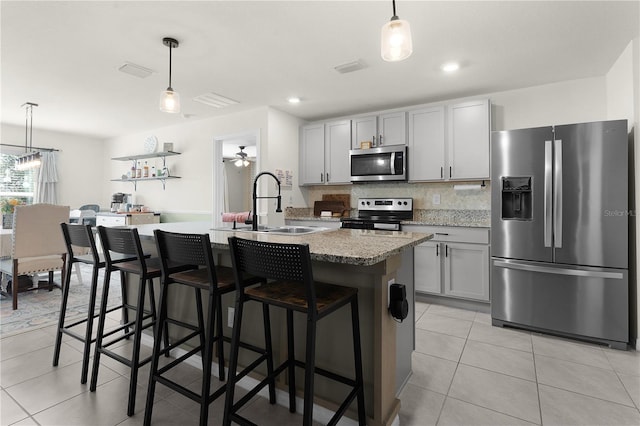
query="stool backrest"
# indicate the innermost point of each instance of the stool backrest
(273, 261)
(123, 241)
(79, 236)
(185, 249)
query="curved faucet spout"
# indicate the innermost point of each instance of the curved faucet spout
(254, 225)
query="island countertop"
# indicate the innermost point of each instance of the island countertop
(348, 246)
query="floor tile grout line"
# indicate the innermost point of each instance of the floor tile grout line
(535, 374)
(591, 396)
(490, 409)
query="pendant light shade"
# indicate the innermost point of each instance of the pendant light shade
(396, 43)
(169, 99)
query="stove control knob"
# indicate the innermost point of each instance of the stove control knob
(368, 202)
(405, 203)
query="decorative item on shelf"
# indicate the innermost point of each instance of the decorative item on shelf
(167, 147)
(170, 100)
(365, 144)
(30, 158)
(396, 42)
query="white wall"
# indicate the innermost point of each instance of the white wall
(192, 193)
(574, 101)
(79, 159)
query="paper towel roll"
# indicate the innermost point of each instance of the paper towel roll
(466, 187)
(242, 217)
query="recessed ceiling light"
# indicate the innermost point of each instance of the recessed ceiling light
(294, 100)
(450, 67)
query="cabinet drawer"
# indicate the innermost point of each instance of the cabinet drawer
(453, 233)
(111, 220)
(142, 219)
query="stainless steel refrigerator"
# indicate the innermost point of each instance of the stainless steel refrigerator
(560, 230)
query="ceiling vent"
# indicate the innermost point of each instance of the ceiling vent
(350, 66)
(135, 70)
(214, 100)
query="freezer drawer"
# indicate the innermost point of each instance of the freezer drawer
(589, 302)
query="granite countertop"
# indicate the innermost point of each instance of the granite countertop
(348, 246)
(430, 217)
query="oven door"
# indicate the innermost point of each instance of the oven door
(378, 164)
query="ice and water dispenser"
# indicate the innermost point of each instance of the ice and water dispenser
(516, 198)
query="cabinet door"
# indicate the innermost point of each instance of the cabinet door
(364, 129)
(392, 129)
(337, 145)
(312, 154)
(468, 140)
(426, 267)
(426, 144)
(466, 271)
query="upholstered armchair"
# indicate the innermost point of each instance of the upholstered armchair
(38, 245)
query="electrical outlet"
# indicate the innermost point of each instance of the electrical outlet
(436, 199)
(230, 314)
(391, 281)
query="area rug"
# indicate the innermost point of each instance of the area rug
(41, 308)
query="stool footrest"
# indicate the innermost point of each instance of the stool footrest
(328, 374)
(176, 361)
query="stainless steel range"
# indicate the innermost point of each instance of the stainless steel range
(380, 213)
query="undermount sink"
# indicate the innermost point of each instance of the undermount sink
(280, 230)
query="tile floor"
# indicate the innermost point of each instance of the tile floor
(466, 372)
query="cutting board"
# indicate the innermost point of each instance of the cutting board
(345, 198)
(335, 207)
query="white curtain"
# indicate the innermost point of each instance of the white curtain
(47, 179)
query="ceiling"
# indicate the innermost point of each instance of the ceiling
(65, 55)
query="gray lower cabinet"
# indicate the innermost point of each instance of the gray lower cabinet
(454, 263)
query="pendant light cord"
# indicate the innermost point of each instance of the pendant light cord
(170, 49)
(394, 8)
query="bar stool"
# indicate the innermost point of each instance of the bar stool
(294, 290)
(125, 242)
(194, 249)
(81, 237)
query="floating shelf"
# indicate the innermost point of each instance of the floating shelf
(134, 158)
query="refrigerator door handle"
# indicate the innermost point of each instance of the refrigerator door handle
(557, 193)
(557, 271)
(548, 192)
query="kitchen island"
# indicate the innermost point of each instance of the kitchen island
(365, 259)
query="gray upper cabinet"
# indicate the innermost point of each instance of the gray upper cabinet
(426, 144)
(468, 140)
(381, 130)
(450, 142)
(312, 154)
(324, 153)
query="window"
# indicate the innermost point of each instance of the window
(18, 184)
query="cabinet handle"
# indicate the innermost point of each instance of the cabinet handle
(437, 250)
(373, 141)
(450, 174)
(380, 140)
(327, 177)
(321, 177)
(441, 233)
(441, 172)
(446, 250)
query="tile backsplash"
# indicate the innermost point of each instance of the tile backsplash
(453, 195)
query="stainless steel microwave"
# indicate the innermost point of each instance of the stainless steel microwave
(379, 164)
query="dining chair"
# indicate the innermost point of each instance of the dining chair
(37, 245)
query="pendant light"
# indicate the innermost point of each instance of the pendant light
(396, 39)
(170, 100)
(30, 158)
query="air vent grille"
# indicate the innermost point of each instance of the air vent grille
(350, 66)
(135, 70)
(215, 100)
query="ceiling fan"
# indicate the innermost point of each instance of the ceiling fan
(242, 158)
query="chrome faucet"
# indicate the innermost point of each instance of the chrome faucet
(254, 225)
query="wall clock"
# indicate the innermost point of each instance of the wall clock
(150, 144)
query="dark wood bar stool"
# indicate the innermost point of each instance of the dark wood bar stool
(122, 242)
(81, 237)
(205, 276)
(287, 267)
